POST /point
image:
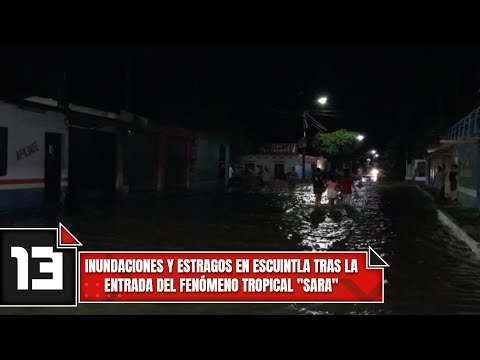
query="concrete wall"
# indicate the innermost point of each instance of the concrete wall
(23, 185)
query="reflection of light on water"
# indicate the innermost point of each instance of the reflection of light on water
(380, 222)
(352, 230)
(309, 234)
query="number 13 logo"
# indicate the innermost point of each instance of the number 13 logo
(55, 267)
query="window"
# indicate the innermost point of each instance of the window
(3, 150)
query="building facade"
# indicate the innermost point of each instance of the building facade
(33, 156)
(462, 148)
(278, 159)
(416, 170)
(171, 159)
(51, 153)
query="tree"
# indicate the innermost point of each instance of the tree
(335, 146)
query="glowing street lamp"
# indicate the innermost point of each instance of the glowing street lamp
(373, 152)
(377, 155)
(323, 100)
(360, 137)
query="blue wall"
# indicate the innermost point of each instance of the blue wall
(25, 199)
(21, 199)
(308, 171)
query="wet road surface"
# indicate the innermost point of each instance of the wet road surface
(431, 272)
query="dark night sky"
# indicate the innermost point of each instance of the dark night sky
(261, 90)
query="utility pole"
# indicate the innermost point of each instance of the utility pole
(128, 83)
(62, 96)
(322, 101)
(304, 150)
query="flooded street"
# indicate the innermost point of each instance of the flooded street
(431, 272)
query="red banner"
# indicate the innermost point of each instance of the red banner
(231, 277)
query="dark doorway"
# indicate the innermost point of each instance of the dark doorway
(176, 164)
(279, 171)
(92, 166)
(3, 150)
(53, 166)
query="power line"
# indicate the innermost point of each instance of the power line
(316, 122)
(319, 128)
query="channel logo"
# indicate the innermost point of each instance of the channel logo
(38, 267)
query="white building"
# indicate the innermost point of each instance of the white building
(278, 159)
(40, 140)
(33, 156)
(416, 170)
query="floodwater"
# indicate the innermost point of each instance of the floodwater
(431, 272)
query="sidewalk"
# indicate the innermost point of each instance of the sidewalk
(466, 219)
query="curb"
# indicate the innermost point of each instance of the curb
(459, 233)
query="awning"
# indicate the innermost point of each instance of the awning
(446, 146)
(86, 117)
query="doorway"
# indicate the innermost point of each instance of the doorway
(53, 166)
(279, 171)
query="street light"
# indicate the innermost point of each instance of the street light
(323, 100)
(360, 137)
(377, 155)
(373, 152)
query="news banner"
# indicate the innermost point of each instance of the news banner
(44, 267)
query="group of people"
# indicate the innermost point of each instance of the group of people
(439, 182)
(331, 182)
(260, 177)
(333, 185)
